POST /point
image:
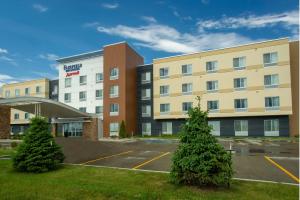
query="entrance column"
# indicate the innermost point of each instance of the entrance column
(4, 122)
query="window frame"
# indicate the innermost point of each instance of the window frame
(100, 74)
(272, 85)
(146, 97)
(239, 60)
(145, 74)
(164, 105)
(114, 91)
(69, 95)
(163, 87)
(114, 109)
(239, 79)
(210, 102)
(169, 125)
(241, 109)
(70, 83)
(189, 69)
(84, 77)
(148, 128)
(270, 63)
(114, 125)
(114, 73)
(214, 64)
(148, 110)
(216, 86)
(82, 92)
(277, 107)
(241, 131)
(272, 132)
(186, 106)
(188, 86)
(165, 75)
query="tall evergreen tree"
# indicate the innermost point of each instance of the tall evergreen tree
(122, 131)
(200, 160)
(38, 152)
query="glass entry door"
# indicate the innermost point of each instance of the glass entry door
(72, 129)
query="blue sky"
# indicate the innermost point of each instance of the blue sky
(35, 33)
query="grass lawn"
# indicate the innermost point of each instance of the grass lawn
(6, 151)
(79, 182)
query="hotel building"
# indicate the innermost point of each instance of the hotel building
(33, 88)
(246, 89)
(249, 90)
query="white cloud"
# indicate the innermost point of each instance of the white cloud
(165, 38)
(176, 14)
(91, 24)
(54, 66)
(40, 8)
(288, 20)
(8, 59)
(7, 79)
(149, 19)
(3, 51)
(110, 5)
(49, 56)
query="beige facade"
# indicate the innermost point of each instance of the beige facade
(254, 71)
(35, 88)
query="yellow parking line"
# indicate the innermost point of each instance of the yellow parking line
(146, 162)
(282, 169)
(101, 158)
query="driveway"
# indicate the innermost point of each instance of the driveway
(252, 159)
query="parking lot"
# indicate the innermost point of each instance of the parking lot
(252, 159)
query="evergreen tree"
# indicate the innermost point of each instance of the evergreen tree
(200, 160)
(122, 131)
(38, 152)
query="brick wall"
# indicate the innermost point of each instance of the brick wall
(90, 129)
(4, 122)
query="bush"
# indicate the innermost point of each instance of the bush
(200, 160)
(38, 152)
(13, 144)
(122, 131)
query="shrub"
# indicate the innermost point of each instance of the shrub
(38, 152)
(13, 144)
(122, 131)
(200, 160)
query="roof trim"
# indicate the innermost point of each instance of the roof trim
(225, 48)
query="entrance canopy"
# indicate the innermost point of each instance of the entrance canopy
(44, 107)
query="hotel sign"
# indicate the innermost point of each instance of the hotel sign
(72, 70)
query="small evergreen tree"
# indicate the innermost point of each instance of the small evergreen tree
(38, 152)
(200, 160)
(122, 131)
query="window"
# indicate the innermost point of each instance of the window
(187, 88)
(82, 109)
(26, 115)
(7, 94)
(27, 91)
(239, 83)
(271, 81)
(82, 80)
(99, 94)
(114, 129)
(272, 103)
(67, 97)
(146, 94)
(82, 96)
(17, 92)
(164, 72)
(215, 127)
(240, 104)
(16, 116)
(114, 109)
(38, 89)
(241, 127)
(271, 127)
(146, 77)
(212, 86)
(114, 91)
(146, 128)
(164, 90)
(55, 90)
(99, 77)
(211, 66)
(186, 69)
(164, 108)
(99, 109)
(213, 106)
(146, 111)
(270, 59)
(68, 82)
(239, 63)
(166, 128)
(186, 106)
(114, 73)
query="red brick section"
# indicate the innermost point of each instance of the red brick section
(4, 122)
(90, 129)
(294, 60)
(126, 59)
